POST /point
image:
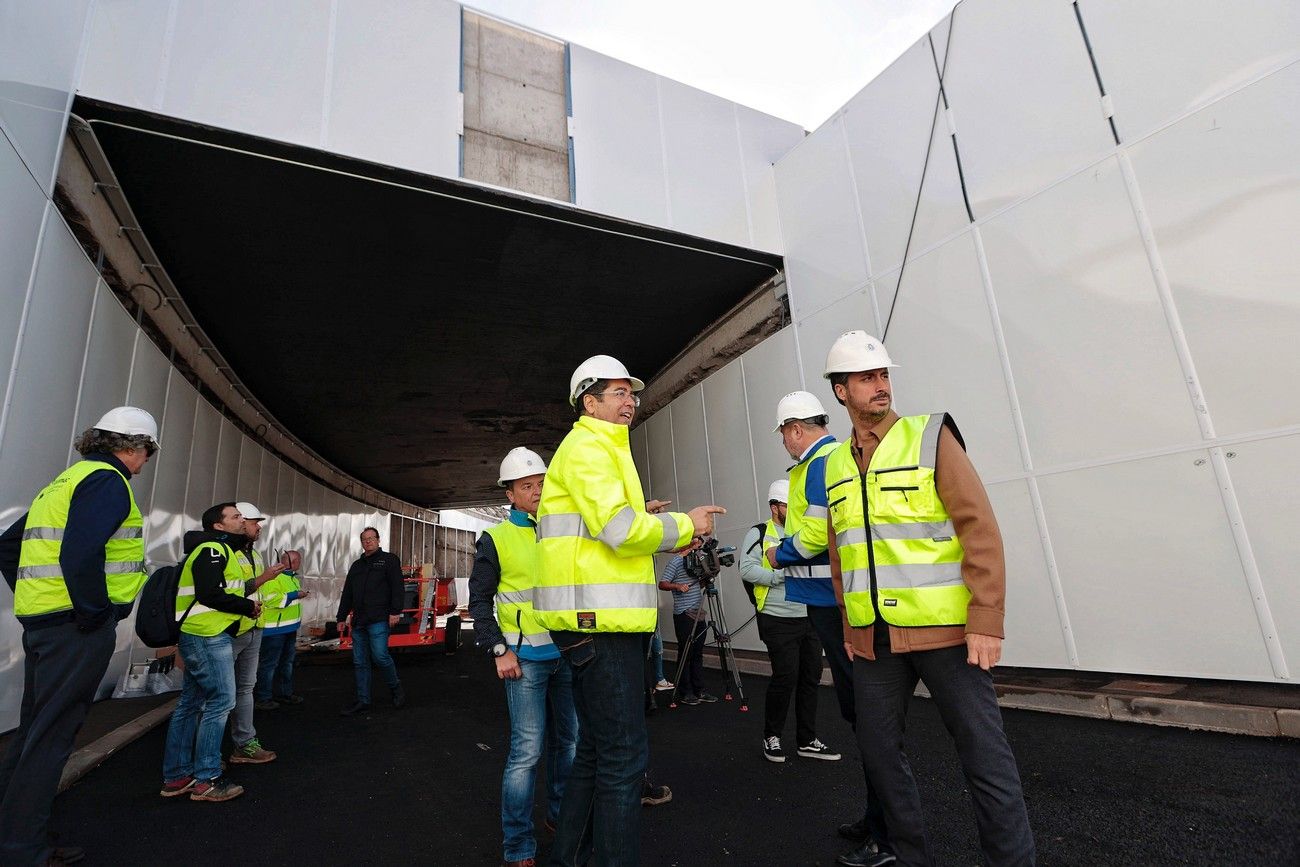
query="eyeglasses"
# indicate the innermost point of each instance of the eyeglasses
(619, 394)
(150, 449)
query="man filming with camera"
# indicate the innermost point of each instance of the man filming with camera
(596, 593)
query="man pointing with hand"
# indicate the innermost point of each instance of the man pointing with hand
(596, 592)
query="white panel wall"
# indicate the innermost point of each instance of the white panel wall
(650, 149)
(1114, 332)
(70, 351)
(379, 81)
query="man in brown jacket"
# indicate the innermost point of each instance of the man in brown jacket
(918, 605)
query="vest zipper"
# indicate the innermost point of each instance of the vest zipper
(871, 553)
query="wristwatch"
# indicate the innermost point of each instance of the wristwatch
(498, 649)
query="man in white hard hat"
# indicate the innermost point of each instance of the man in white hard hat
(785, 629)
(917, 561)
(596, 593)
(75, 562)
(538, 682)
(801, 421)
(248, 642)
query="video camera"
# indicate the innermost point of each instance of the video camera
(705, 562)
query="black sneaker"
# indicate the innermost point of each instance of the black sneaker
(689, 699)
(772, 750)
(707, 698)
(818, 750)
(215, 790)
(268, 704)
(289, 699)
(359, 707)
(399, 696)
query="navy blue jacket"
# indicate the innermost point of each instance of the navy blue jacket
(99, 506)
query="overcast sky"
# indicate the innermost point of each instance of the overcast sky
(797, 59)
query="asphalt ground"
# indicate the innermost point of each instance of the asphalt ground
(421, 785)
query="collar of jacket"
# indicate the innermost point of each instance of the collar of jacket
(520, 518)
(606, 430)
(111, 460)
(811, 450)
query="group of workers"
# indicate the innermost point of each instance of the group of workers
(76, 563)
(881, 551)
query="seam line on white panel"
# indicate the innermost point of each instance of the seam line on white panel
(1250, 566)
(862, 225)
(22, 321)
(798, 354)
(1145, 454)
(165, 61)
(85, 359)
(708, 457)
(672, 449)
(1173, 320)
(1026, 455)
(83, 51)
(157, 468)
(130, 371)
(744, 173)
(749, 428)
(663, 148)
(216, 465)
(189, 464)
(327, 92)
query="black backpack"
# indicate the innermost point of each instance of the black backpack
(156, 622)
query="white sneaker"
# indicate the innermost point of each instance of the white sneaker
(664, 683)
(818, 750)
(772, 750)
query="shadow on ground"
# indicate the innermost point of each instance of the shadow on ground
(421, 785)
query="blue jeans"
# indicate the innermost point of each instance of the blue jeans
(207, 698)
(601, 810)
(657, 654)
(370, 645)
(542, 717)
(276, 661)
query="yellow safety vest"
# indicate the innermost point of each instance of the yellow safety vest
(595, 539)
(807, 524)
(252, 567)
(275, 611)
(517, 553)
(202, 620)
(910, 571)
(771, 538)
(40, 588)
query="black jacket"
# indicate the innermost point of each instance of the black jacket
(374, 589)
(209, 571)
(99, 506)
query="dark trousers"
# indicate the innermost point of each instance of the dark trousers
(62, 669)
(966, 701)
(600, 816)
(279, 653)
(827, 622)
(796, 657)
(691, 679)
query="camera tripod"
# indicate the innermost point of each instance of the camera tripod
(717, 618)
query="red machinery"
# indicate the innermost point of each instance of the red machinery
(427, 599)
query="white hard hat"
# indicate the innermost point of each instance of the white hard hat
(854, 351)
(598, 367)
(779, 491)
(250, 512)
(520, 463)
(129, 420)
(797, 404)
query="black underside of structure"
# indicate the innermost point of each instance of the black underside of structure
(409, 329)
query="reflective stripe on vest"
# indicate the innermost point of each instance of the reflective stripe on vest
(912, 558)
(40, 587)
(799, 514)
(251, 562)
(517, 554)
(595, 540)
(275, 611)
(771, 538)
(202, 620)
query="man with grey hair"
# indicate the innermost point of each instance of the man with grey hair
(75, 562)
